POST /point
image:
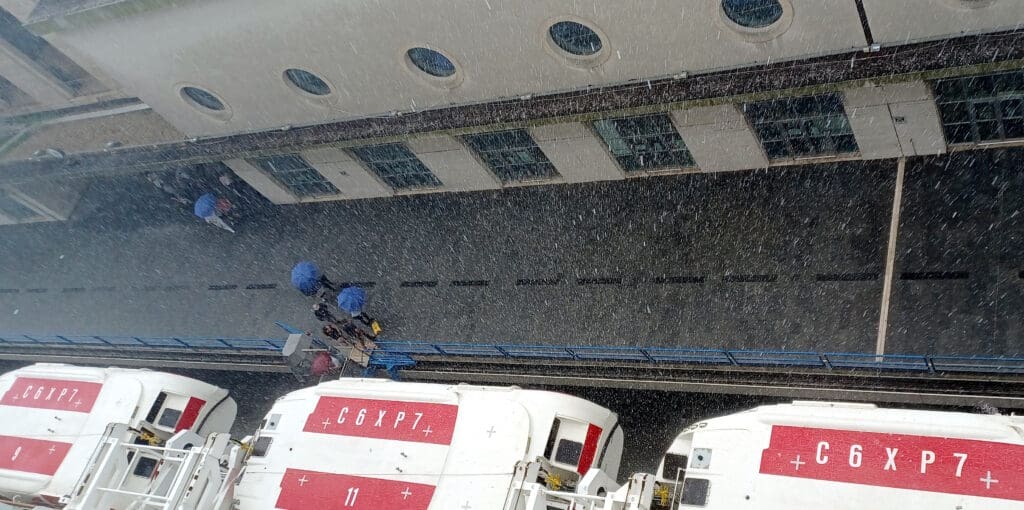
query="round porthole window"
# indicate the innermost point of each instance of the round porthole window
(575, 38)
(307, 82)
(203, 99)
(753, 13)
(431, 62)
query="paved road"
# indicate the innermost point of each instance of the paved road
(781, 259)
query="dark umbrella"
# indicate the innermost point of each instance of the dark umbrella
(306, 278)
(352, 299)
(205, 205)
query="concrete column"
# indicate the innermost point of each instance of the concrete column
(719, 138)
(890, 257)
(577, 153)
(452, 163)
(261, 182)
(351, 178)
(893, 120)
(31, 77)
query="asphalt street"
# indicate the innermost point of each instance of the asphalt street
(787, 258)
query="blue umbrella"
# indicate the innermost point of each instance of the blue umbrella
(306, 277)
(205, 205)
(352, 299)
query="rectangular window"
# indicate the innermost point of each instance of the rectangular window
(805, 126)
(650, 142)
(512, 155)
(14, 209)
(675, 466)
(981, 108)
(294, 173)
(695, 492)
(396, 165)
(169, 418)
(568, 452)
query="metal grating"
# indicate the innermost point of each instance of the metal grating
(649, 142)
(802, 126)
(396, 165)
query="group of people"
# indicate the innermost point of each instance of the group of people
(340, 308)
(212, 201)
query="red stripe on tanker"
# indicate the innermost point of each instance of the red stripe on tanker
(589, 449)
(32, 455)
(189, 415)
(384, 419)
(933, 464)
(303, 490)
(56, 394)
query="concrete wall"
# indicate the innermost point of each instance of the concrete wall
(239, 50)
(893, 120)
(576, 151)
(905, 21)
(452, 163)
(719, 138)
(351, 178)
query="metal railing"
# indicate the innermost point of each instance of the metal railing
(218, 343)
(750, 358)
(391, 352)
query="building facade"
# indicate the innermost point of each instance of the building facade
(317, 100)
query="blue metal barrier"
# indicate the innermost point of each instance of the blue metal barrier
(660, 355)
(236, 344)
(392, 354)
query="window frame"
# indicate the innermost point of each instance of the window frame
(381, 167)
(507, 154)
(327, 187)
(973, 103)
(795, 137)
(686, 164)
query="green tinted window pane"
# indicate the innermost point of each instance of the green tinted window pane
(955, 112)
(397, 166)
(648, 142)
(988, 130)
(512, 155)
(995, 104)
(802, 126)
(294, 173)
(1013, 128)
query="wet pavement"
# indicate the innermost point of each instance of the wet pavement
(788, 258)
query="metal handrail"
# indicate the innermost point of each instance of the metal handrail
(211, 343)
(697, 356)
(650, 355)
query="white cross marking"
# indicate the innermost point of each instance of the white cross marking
(988, 480)
(326, 423)
(491, 432)
(406, 493)
(303, 480)
(427, 431)
(78, 403)
(52, 449)
(797, 463)
(466, 506)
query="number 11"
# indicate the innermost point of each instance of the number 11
(350, 499)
